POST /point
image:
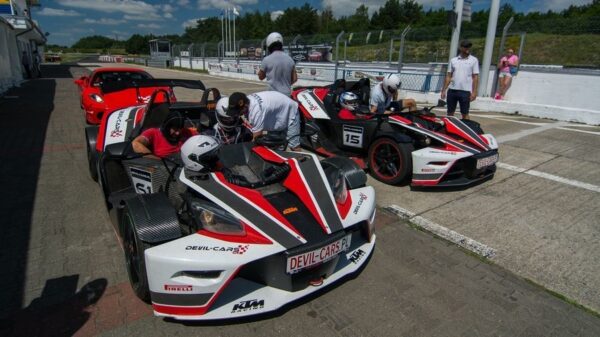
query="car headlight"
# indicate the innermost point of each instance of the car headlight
(97, 98)
(217, 220)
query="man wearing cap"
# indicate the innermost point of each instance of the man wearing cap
(269, 111)
(278, 68)
(462, 80)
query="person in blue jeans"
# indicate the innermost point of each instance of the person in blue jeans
(461, 81)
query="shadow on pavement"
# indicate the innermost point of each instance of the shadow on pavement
(25, 113)
(59, 311)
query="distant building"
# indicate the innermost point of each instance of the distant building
(19, 33)
(160, 53)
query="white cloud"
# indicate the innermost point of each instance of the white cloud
(140, 17)
(191, 23)
(555, 5)
(104, 21)
(275, 15)
(183, 3)
(148, 26)
(224, 4)
(133, 7)
(47, 11)
(348, 7)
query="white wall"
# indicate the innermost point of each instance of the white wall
(568, 90)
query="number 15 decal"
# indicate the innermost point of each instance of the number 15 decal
(353, 135)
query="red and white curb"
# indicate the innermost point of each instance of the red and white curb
(443, 232)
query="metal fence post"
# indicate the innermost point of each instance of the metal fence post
(191, 53)
(502, 41)
(401, 50)
(337, 51)
(220, 50)
(202, 53)
(391, 51)
(521, 46)
(344, 72)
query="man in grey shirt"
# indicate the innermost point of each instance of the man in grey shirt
(278, 68)
(462, 80)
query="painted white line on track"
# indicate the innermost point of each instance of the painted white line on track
(529, 132)
(595, 133)
(443, 232)
(571, 182)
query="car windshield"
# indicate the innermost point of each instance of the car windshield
(114, 76)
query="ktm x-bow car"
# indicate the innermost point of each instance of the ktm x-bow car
(430, 150)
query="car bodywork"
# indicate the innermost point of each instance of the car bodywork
(430, 150)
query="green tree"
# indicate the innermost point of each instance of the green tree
(137, 44)
(94, 42)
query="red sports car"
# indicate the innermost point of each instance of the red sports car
(95, 102)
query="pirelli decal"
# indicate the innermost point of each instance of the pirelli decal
(439, 136)
(237, 203)
(468, 133)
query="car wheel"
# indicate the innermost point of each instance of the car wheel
(92, 159)
(134, 257)
(389, 161)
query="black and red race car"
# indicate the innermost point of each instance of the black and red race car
(95, 102)
(431, 150)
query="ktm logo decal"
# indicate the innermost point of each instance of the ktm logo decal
(290, 210)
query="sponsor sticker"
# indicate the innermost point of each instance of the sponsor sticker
(299, 262)
(178, 288)
(356, 256)
(361, 198)
(309, 102)
(487, 161)
(239, 250)
(248, 306)
(290, 210)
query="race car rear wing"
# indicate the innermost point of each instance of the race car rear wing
(108, 87)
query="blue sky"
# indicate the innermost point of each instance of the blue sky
(69, 20)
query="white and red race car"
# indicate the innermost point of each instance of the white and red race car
(264, 229)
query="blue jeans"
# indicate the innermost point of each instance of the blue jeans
(461, 97)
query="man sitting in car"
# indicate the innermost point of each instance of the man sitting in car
(382, 99)
(166, 140)
(230, 128)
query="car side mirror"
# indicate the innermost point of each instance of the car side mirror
(441, 103)
(310, 129)
(122, 150)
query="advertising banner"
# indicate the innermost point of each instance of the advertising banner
(6, 7)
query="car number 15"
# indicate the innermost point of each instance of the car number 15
(353, 135)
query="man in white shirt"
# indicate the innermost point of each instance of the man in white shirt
(269, 111)
(383, 94)
(462, 80)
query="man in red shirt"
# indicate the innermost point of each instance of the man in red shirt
(166, 140)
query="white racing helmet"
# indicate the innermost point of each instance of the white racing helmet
(349, 100)
(227, 118)
(274, 37)
(199, 153)
(391, 84)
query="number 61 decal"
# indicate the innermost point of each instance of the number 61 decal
(353, 135)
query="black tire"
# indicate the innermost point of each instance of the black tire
(92, 154)
(134, 256)
(92, 161)
(389, 161)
